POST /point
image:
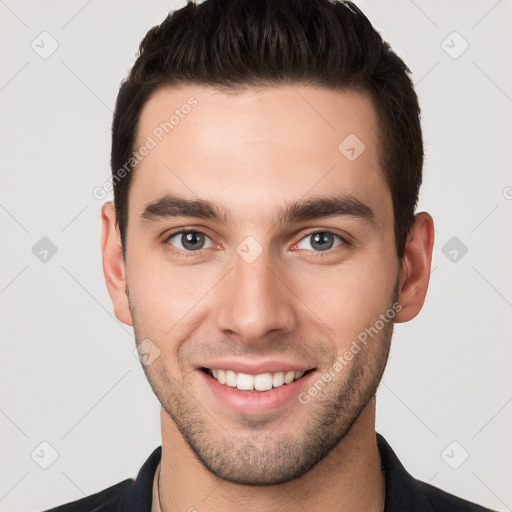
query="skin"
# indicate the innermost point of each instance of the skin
(250, 153)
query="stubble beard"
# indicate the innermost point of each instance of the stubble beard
(259, 458)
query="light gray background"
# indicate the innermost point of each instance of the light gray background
(68, 374)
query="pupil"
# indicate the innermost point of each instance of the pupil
(322, 241)
(190, 240)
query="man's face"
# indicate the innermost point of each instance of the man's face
(255, 293)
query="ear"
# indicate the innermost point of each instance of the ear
(113, 264)
(415, 267)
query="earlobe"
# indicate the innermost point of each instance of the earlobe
(114, 264)
(415, 267)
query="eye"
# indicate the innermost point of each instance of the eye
(320, 241)
(188, 241)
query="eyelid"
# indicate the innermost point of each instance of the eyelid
(344, 240)
(182, 231)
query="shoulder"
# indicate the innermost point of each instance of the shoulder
(127, 496)
(404, 492)
(442, 500)
(108, 499)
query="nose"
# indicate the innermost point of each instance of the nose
(254, 301)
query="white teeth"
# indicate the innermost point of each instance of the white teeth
(244, 381)
(278, 379)
(261, 382)
(231, 378)
(289, 376)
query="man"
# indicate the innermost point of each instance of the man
(266, 164)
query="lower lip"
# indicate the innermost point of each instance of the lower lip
(257, 402)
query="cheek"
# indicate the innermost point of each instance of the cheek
(165, 298)
(350, 298)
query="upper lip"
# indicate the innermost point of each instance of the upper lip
(252, 368)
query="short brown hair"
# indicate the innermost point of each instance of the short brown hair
(237, 44)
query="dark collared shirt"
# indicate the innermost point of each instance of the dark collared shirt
(403, 492)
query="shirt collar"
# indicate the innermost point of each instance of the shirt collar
(403, 492)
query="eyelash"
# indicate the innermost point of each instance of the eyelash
(189, 254)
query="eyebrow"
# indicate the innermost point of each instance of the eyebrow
(172, 205)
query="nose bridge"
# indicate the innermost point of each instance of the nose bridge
(254, 300)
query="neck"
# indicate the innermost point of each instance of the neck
(349, 477)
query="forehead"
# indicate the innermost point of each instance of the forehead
(258, 147)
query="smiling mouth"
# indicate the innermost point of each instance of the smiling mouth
(261, 382)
